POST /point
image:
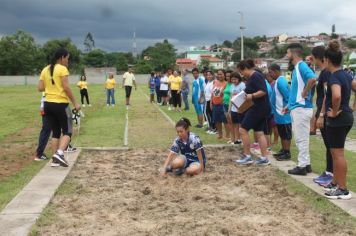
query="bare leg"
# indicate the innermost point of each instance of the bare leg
(55, 144)
(219, 129)
(177, 163)
(275, 135)
(200, 119)
(262, 142)
(233, 133)
(340, 166)
(193, 170)
(245, 140)
(64, 142)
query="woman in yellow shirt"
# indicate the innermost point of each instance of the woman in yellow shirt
(54, 82)
(175, 82)
(110, 90)
(83, 86)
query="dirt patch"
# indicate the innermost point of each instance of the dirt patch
(121, 193)
(17, 151)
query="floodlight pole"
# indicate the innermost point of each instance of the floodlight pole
(242, 28)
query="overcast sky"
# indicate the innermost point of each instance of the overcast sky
(184, 22)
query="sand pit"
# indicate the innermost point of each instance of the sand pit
(121, 193)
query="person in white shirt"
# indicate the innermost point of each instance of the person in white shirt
(208, 92)
(164, 89)
(127, 82)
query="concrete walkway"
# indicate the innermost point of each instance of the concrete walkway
(22, 212)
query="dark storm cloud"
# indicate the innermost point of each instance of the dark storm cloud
(184, 22)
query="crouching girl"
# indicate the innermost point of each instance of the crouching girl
(186, 154)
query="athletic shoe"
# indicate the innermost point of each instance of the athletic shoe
(284, 157)
(281, 152)
(325, 181)
(199, 126)
(179, 171)
(262, 162)
(230, 142)
(245, 160)
(113, 105)
(298, 171)
(83, 105)
(343, 194)
(70, 149)
(205, 123)
(255, 146)
(89, 105)
(320, 177)
(308, 169)
(54, 163)
(41, 158)
(169, 108)
(60, 159)
(330, 187)
(237, 142)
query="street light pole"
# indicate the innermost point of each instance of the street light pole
(242, 28)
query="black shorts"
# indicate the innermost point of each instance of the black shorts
(336, 136)
(164, 93)
(253, 121)
(59, 116)
(285, 131)
(128, 91)
(236, 118)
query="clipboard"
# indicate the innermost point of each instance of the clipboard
(239, 101)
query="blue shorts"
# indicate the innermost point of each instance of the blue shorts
(198, 108)
(218, 114)
(188, 162)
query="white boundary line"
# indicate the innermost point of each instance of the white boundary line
(163, 113)
(126, 134)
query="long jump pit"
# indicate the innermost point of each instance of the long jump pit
(122, 193)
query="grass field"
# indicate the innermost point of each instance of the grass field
(104, 126)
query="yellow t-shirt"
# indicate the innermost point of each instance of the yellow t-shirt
(54, 90)
(82, 84)
(110, 83)
(175, 82)
(129, 78)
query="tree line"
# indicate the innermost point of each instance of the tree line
(21, 55)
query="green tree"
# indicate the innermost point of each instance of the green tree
(143, 67)
(95, 58)
(350, 43)
(19, 54)
(204, 63)
(51, 46)
(161, 56)
(227, 44)
(118, 60)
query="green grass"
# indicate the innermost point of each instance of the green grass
(13, 184)
(331, 212)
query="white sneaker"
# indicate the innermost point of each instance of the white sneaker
(107, 105)
(83, 105)
(169, 108)
(89, 105)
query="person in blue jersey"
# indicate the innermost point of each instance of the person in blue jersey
(301, 107)
(279, 99)
(198, 97)
(339, 118)
(268, 125)
(152, 86)
(318, 59)
(157, 87)
(255, 116)
(186, 153)
(185, 89)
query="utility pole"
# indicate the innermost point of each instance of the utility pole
(242, 28)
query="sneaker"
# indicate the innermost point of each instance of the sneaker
(330, 187)
(308, 169)
(255, 146)
(70, 149)
(280, 153)
(322, 176)
(199, 126)
(54, 163)
(206, 123)
(325, 181)
(230, 142)
(245, 160)
(113, 105)
(83, 105)
(262, 162)
(43, 157)
(107, 105)
(298, 171)
(60, 159)
(169, 108)
(343, 194)
(284, 157)
(237, 142)
(89, 105)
